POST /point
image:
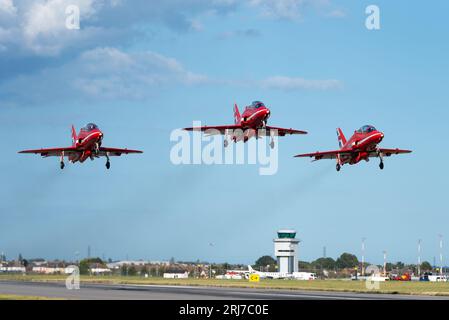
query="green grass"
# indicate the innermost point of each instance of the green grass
(392, 287)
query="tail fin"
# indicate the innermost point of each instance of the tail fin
(237, 116)
(74, 136)
(250, 268)
(341, 138)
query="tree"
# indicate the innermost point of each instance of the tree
(324, 263)
(143, 271)
(347, 260)
(265, 261)
(426, 266)
(132, 270)
(304, 265)
(85, 264)
(124, 270)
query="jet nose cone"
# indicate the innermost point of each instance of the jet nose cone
(381, 136)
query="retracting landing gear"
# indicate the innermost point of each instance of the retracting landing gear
(272, 142)
(108, 163)
(97, 149)
(226, 142)
(61, 164)
(338, 167)
(381, 157)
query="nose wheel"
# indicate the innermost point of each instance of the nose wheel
(381, 165)
(338, 167)
(97, 149)
(225, 143)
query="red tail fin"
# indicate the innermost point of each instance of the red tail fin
(74, 136)
(237, 116)
(341, 138)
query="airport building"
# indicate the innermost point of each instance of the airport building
(286, 251)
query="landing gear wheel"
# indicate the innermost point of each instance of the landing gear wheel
(272, 144)
(226, 143)
(108, 165)
(62, 165)
(338, 167)
(381, 166)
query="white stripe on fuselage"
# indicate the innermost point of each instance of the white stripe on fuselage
(88, 136)
(369, 137)
(257, 112)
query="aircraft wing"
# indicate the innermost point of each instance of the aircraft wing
(218, 129)
(52, 152)
(389, 152)
(325, 155)
(116, 152)
(282, 131)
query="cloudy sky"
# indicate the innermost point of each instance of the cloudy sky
(140, 69)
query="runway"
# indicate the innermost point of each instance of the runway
(160, 292)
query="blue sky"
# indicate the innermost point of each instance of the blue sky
(140, 69)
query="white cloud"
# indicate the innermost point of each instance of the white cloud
(39, 26)
(290, 9)
(43, 25)
(337, 13)
(294, 9)
(7, 7)
(102, 73)
(291, 83)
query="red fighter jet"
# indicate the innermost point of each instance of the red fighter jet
(87, 144)
(252, 123)
(362, 146)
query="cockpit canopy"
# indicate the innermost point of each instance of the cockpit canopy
(89, 127)
(257, 104)
(366, 129)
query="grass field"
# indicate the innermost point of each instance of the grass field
(392, 287)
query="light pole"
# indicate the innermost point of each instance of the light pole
(419, 257)
(363, 256)
(441, 254)
(385, 263)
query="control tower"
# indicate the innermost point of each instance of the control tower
(285, 250)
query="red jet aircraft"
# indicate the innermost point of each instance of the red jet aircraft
(87, 144)
(362, 145)
(252, 123)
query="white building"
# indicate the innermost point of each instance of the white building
(53, 270)
(13, 269)
(184, 275)
(286, 251)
